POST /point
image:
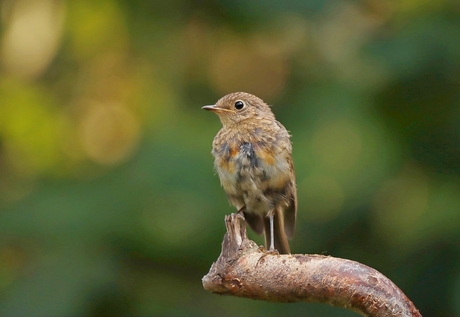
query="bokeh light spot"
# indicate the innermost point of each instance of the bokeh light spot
(108, 132)
(32, 36)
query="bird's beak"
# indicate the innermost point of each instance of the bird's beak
(215, 109)
(210, 108)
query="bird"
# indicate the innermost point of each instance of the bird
(253, 159)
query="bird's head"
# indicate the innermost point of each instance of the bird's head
(237, 107)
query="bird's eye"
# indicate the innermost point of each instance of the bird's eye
(239, 105)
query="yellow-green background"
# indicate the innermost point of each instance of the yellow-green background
(109, 205)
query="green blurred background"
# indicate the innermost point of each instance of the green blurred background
(109, 205)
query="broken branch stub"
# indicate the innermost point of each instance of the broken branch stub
(245, 270)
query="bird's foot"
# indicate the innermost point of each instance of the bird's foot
(265, 253)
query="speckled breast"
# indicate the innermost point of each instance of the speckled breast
(253, 175)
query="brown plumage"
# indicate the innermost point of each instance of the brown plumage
(253, 159)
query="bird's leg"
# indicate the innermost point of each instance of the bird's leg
(272, 234)
(240, 212)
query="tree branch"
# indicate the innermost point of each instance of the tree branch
(243, 269)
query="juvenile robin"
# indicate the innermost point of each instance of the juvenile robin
(252, 156)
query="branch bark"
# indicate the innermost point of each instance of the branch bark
(245, 270)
